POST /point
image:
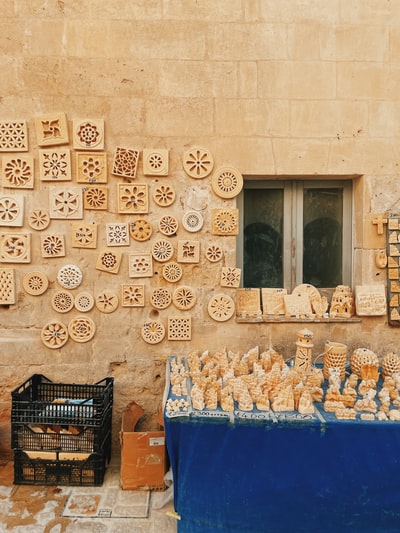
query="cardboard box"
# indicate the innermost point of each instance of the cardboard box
(143, 453)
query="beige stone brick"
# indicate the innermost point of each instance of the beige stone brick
(368, 12)
(297, 79)
(248, 42)
(304, 41)
(198, 79)
(46, 37)
(247, 79)
(253, 116)
(252, 156)
(12, 36)
(328, 118)
(356, 43)
(298, 157)
(287, 11)
(384, 119)
(364, 156)
(209, 10)
(367, 80)
(8, 68)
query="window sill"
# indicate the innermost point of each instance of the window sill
(284, 320)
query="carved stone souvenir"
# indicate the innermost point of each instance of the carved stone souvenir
(225, 221)
(81, 329)
(197, 162)
(15, 247)
(88, 134)
(55, 165)
(221, 307)
(62, 301)
(125, 162)
(117, 234)
(335, 356)
(66, 203)
(304, 346)
(51, 129)
(155, 162)
(12, 210)
(140, 265)
(13, 136)
(379, 222)
(248, 304)
(370, 300)
(52, 245)
(227, 182)
(297, 305)
(35, 283)
(7, 286)
(39, 219)
(140, 230)
(107, 301)
(189, 251)
(390, 364)
(192, 221)
(214, 253)
(273, 303)
(153, 332)
(179, 329)
(18, 171)
(83, 235)
(162, 250)
(164, 195)
(184, 298)
(133, 198)
(132, 295)
(54, 334)
(109, 261)
(361, 357)
(84, 302)
(91, 167)
(230, 277)
(95, 197)
(172, 272)
(160, 298)
(70, 276)
(342, 304)
(168, 225)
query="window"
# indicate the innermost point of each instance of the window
(295, 231)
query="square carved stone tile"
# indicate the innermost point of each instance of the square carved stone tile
(140, 265)
(15, 247)
(52, 245)
(95, 197)
(12, 210)
(188, 251)
(132, 295)
(230, 277)
(179, 329)
(117, 234)
(91, 167)
(225, 221)
(125, 162)
(297, 305)
(51, 129)
(7, 286)
(88, 134)
(18, 171)
(273, 302)
(55, 164)
(133, 198)
(13, 136)
(109, 261)
(370, 300)
(155, 162)
(248, 303)
(83, 235)
(66, 203)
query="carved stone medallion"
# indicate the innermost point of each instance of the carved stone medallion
(125, 162)
(109, 261)
(184, 298)
(91, 167)
(132, 295)
(95, 197)
(69, 276)
(35, 283)
(13, 136)
(84, 302)
(53, 245)
(140, 230)
(221, 307)
(133, 198)
(140, 265)
(55, 165)
(153, 332)
(54, 334)
(39, 219)
(155, 162)
(162, 250)
(83, 235)
(18, 171)
(81, 329)
(12, 210)
(88, 134)
(66, 203)
(179, 328)
(227, 182)
(62, 301)
(164, 195)
(15, 247)
(197, 162)
(172, 272)
(107, 301)
(7, 286)
(51, 129)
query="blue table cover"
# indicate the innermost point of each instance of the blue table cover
(285, 473)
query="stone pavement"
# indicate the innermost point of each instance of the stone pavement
(61, 509)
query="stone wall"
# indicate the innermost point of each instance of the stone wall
(301, 88)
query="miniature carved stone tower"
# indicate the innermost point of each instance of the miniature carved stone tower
(304, 346)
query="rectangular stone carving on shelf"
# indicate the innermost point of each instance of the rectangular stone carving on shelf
(132, 295)
(297, 305)
(66, 203)
(273, 303)
(91, 167)
(51, 129)
(393, 270)
(370, 300)
(13, 136)
(55, 164)
(88, 134)
(7, 286)
(18, 171)
(248, 303)
(15, 247)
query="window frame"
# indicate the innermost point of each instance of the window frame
(293, 189)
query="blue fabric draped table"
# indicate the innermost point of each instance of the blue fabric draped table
(283, 473)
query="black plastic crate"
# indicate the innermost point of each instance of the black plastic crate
(41, 401)
(89, 471)
(56, 437)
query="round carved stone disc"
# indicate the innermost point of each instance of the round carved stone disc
(140, 230)
(81, 329)
(198, 163)
(172, 272)
(35, 283)
(221, 307)
(184, 297)
(84, 302)
(227, 182)
(62, 301)
(192, 221)
(54, 334)
(153, 332)
(69, 276)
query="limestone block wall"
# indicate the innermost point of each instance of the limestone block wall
(299, 88)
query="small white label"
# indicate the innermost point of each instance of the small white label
(157, 441)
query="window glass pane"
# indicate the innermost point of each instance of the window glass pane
(322, 236)
(262, 234)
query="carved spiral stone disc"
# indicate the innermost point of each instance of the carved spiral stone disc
(214, 253)
(192, 221)
(221, 307)
(140, 230)
(35, 283)
(168, 225)
(107, 301)
(161, 298)
(69, 276)
(62, 301)
(162, 250)
(198, 163)
(54, 334)
(164, 195)
(81, 329)
(172, 272)
(184, 297)
(153, 332)
(39, 219)
(84, 302)
(227, 182)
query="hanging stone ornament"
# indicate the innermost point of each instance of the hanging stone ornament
(81, 329)
(172, 272)
(184, 298)
(62, 301)
(227, 182)
(162, 250)
(168, 225)
(198, 163)
(54, 334)
(140, 230)
(107, 301)
(192, 221)
(84, 302)
(160, 298)
(164, 195)
(221, 307)
(214, 253)
(39, 219)
(69, 276)
(35, 283)
(153, 332)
